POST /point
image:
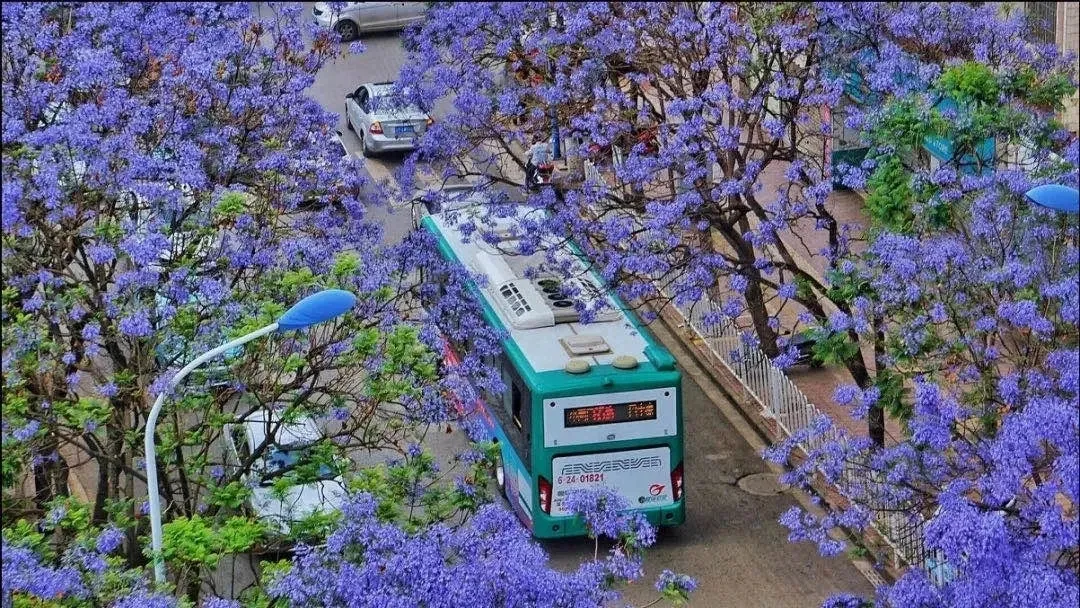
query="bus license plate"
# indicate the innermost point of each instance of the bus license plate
(642, 477)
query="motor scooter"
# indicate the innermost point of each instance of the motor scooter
(540, 176)
(804, 346)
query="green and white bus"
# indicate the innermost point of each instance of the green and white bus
(585, 405)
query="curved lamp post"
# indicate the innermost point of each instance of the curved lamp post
(314, 309)
(1062, 199)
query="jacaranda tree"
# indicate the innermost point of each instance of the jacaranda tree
(368, 562)
(710, 126)
(977, 295)
(956, 307)
(167, 185)
(986, 364)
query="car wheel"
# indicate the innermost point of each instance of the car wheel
(348, 30)
(364, 148)
(348, 121)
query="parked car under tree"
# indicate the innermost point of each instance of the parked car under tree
(314, 485)
(383, 122)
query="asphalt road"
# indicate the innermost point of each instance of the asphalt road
(731, 542)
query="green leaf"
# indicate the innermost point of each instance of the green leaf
(346, 264)
(891, 394)
(295, 280)
(108, 231)
(294, 362)
(314, 526)
(26, 534)
(190, 541)
(970, 83)
(232, 495)
(238, 535)
(833, 348)
(890, 197)
(232, 204)
(86, 409)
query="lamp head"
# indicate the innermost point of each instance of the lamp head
(1062, 199)
(316, 308)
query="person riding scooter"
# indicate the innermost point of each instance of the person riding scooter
(538, 165)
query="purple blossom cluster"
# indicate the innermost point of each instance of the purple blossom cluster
(607, 514)
(489, 561)
(669, 580)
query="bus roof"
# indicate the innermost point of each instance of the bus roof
(543, 338)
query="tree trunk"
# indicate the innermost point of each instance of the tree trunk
(754, 296)
(875, 417)
(50, 474)
(102, 492)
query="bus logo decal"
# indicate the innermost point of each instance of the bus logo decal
(624, 464)
(656, 488)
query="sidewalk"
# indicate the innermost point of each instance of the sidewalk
(806, 243)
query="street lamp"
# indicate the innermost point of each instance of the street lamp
(312, 310)
(554, 21)
(1062, 199)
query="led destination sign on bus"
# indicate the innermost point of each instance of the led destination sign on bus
(609, 413)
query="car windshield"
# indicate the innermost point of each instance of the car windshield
(282, 459)
(389, 103)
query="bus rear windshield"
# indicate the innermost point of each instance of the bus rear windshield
(609, 413)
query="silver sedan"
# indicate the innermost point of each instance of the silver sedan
(356, 17)
(383, 123)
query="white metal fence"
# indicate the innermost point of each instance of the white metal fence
(782, 401)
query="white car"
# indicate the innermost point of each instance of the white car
(381, 121)
(356, 17)
(324, 492)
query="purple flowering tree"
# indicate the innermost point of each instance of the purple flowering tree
(488, 561)
(985, 362)
(367, 561)
(709, 126)
(169, 185)
(976, 296)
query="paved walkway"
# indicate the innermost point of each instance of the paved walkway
(807, 242)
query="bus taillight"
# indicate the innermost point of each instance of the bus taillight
(676, 483)
(545, 495)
